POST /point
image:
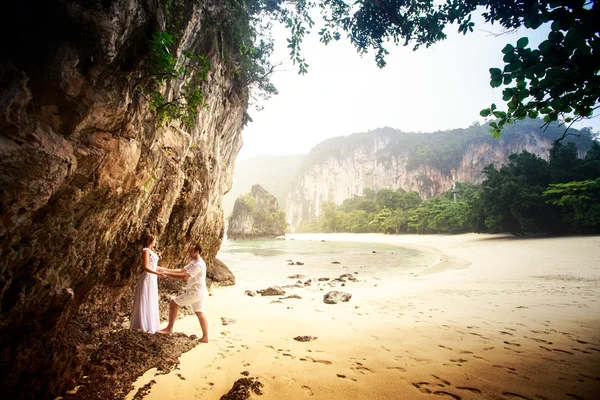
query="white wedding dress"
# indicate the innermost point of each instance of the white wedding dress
(145, 307)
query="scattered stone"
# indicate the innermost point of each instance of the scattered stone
(374, 252)
(242, 389)
(181, 377)
(305, 338)
(250, 293)
(290, 308)
(292, 296)
(335, 262)
(323, 279)
(308, 282)
(355, 273)
(295, 285)
(272, 291)
(297, 276)
(245, 373)
(298, 281)
(335, 297)
(343, 284)
(296, 263)
(227, 321)
(341, 376)
(276, 301)
(346, 276)
(322, 240)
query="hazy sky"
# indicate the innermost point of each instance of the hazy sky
(436, 88)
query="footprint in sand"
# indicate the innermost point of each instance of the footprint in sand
(502, 366)
(506, 333)
(512, 343)
(470, 389)
(445, 382)
(397, 368)
(360, 368)
(563, 351)
(308, 390)
(516, 395)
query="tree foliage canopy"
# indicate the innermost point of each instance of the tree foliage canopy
(557, 81)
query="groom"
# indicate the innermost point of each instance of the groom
(195, 292)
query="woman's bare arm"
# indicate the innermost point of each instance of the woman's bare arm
(146, 263)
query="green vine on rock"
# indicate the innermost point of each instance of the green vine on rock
(163, 70)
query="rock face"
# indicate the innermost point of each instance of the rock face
(271, 291)
(219, 275)
(256, 216)
(335, 297)
(343, 167)
(85, 170)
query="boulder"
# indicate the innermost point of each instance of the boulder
(272, 291)
(305, 338)
(218, 274)
(335, 297)
(227, 321)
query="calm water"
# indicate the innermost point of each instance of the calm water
(266, 261)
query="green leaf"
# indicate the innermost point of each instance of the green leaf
(485, 112)
(496, 82)
(522, 43)
(495, 72)
(509, 48)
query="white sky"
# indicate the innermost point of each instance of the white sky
(436, 88)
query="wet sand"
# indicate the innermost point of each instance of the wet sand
(497, 317)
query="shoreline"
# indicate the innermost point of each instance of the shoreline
(494, 318)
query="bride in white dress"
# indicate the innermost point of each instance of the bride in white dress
(145, 307)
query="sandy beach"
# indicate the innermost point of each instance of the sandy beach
(493, 317)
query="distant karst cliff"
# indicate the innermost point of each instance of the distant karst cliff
(256, 215)
(343, 167)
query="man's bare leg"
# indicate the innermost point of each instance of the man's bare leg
(204, 326)
(173, 310)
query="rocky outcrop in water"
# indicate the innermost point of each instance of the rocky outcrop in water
(85, 170)
(256, 216)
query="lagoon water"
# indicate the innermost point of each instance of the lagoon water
(374, 257)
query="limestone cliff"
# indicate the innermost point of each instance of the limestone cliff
(343, 167)
(256, 216)
(85, 171)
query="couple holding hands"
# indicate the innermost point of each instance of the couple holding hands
(145, 314)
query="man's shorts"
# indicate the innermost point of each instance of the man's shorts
(192, 298)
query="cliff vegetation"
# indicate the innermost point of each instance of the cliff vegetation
(526, 195)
